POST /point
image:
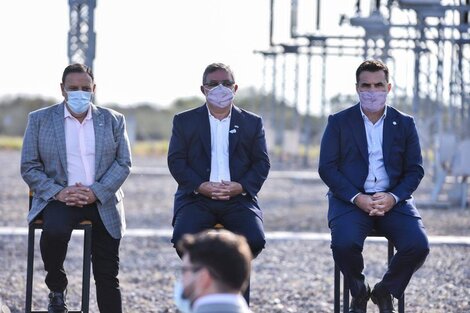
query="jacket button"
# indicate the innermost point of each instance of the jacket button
(208, 169)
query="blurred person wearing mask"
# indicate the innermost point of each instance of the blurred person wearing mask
(75, 158)
(218, 157)
(215, 271)
(370, 158)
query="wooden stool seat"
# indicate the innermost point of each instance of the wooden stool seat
(84, 222)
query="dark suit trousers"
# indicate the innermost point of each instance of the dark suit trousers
(59, 220)
(348, 232)
(205, 213)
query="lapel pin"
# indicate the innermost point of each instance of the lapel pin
(233, 131)
(236, 126)
(394, 123)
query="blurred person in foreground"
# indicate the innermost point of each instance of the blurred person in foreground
(75, 157)
(3, 307)
(218, 156)
(370, 158)
(215, 271)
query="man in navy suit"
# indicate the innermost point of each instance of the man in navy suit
(370, 159)
(218, 157)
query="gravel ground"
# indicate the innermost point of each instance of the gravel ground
(289, 276)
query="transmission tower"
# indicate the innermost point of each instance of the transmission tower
(81, 36)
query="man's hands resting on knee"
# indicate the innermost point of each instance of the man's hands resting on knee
(375, 205)
(77, 195)
(220, 191)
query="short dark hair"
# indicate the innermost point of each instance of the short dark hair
(225, 255)
(77, 68)
(216, 67)
(372, 66)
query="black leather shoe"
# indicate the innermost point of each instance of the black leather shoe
(383, 299)
(57, 302)
(359, 303)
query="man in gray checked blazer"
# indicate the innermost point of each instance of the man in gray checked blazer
(75, 158)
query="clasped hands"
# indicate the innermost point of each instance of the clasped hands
(375, 205)
(220, 191)
(77, 195)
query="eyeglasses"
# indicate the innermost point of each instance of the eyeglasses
(192, 269)
(225, 83)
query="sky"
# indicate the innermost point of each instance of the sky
(155, 51)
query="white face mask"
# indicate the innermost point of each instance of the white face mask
(182, 303)
(220, 96)
(373, 101)
(78, 101)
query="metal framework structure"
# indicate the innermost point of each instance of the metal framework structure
(436, 37)
(81, 37)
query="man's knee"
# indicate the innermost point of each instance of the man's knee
(256, 244)
(418, 249)
(56, 234)
(345, 247)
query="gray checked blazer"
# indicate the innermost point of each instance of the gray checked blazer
(44, 162)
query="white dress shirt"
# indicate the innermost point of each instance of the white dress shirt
(80, 146)
(377, 179)
(220, 169)
(222, 298)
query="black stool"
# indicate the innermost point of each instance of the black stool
(86, 226)
(337, 305)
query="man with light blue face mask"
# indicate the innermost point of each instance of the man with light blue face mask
(75, 158)
(370, 158)
(218, 156)
(216, 268)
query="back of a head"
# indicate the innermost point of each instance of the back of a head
(227, 257)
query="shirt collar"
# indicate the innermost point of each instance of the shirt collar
(364, 116)
(67, 113)
(212, 116)
(220, 298)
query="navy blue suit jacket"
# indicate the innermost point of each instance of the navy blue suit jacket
(189, 154)
(344, 160)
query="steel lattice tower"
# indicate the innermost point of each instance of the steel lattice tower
(81, 36)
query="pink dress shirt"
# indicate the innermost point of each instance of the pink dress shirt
(80, 146)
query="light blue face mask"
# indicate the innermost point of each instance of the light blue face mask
(78, 101)
(182, 303)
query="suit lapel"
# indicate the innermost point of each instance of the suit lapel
(234, 129)
(388, 132)
(205, 129)
(98, 126)
(356, 123)
(59, 129)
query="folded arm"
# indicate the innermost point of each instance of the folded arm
(32, 167)
(329, 165)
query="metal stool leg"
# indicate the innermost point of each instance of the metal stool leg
(337, 289)
(345, 295)
(87, 228)
(30, 269)
(86, 268)
(401, 304)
